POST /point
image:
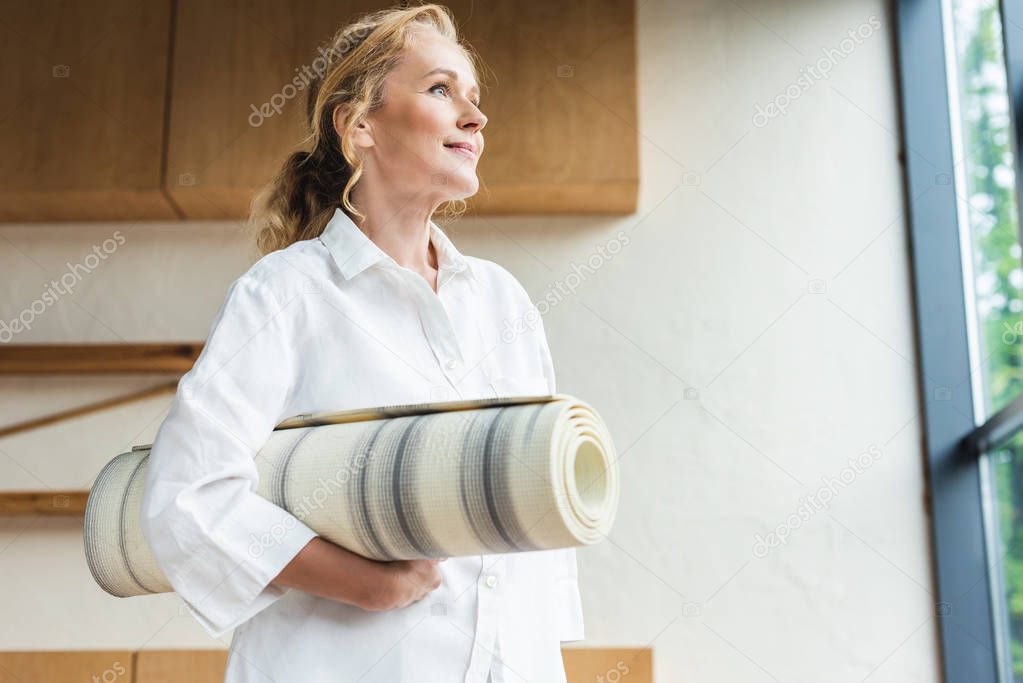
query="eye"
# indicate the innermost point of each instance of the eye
(441, 84)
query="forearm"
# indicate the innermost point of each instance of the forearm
(326, 569)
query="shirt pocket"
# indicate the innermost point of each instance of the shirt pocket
(519, 385)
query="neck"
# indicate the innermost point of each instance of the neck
(398, 224)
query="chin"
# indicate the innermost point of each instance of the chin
(461, 185)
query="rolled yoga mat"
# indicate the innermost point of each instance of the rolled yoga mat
(400, 482)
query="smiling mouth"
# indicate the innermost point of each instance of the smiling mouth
(462, 150)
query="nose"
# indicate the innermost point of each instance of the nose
(474, 121)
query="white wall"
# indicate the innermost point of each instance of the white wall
(767, 270)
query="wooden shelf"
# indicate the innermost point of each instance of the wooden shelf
(35, 359)
(66, 503)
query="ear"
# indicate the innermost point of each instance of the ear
(362, 135)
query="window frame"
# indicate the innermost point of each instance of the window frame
(972, 643)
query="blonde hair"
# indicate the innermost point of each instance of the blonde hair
(300, 200)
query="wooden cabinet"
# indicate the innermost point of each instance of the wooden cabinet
(563, 134)
(82, 110)
(230, 57)
(156, 117)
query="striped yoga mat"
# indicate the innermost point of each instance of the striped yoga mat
(401, 482)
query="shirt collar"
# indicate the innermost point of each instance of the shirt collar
(354, 252)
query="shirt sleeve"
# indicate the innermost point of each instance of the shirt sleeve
(218, 542)
(570, 611)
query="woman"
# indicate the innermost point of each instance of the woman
(359, 299)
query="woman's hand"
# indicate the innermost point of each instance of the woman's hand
(330, 571)
(405, 582)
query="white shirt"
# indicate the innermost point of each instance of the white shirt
(332, 323)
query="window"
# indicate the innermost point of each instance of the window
(985, 184)
(961, 70)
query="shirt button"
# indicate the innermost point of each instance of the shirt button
(452, 364)
(491, 580)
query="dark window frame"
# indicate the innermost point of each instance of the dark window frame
(955, 447)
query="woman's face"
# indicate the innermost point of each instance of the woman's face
(406, 145)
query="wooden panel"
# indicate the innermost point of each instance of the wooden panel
(582, 665)
(52, 503)
(54, 667)
(588, 664)
(561, 135)
(177, 666)
(82, 110)
(174, 358)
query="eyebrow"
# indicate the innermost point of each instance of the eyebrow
(452, 74)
